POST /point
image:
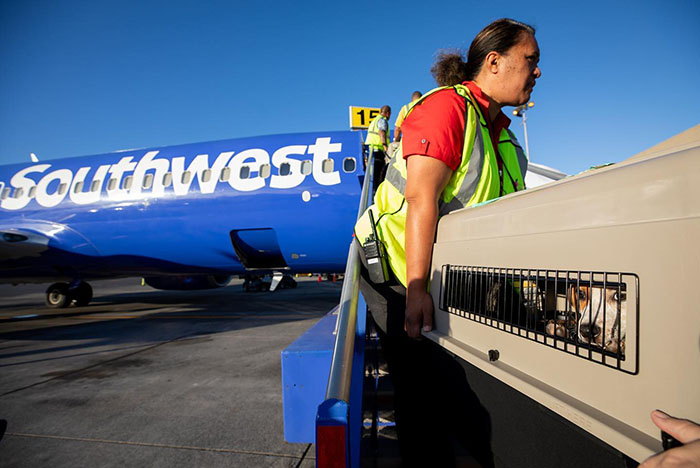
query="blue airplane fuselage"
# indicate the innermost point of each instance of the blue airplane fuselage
(280, 202)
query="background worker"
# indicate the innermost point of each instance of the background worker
(402, 115)
(456, 151)
(378, 141)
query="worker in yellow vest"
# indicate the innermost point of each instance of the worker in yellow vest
(377, 142)
(402, 115)
(456, 151)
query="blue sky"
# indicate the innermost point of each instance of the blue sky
(89, 77)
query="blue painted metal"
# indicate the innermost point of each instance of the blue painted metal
(333, 411)
(184, 227)
(305, 366)
(357, 385)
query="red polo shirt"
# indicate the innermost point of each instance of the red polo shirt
(435, 128)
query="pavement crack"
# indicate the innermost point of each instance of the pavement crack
(167, 446)
(303, 456)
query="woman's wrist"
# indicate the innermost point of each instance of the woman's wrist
(417, 287)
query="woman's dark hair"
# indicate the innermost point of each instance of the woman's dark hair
(450, 68)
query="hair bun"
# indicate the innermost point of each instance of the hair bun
(449, 68)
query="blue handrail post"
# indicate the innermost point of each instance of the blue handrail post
(339, 417)
(357, 385)
(332, 438)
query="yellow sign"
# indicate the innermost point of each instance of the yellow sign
(360, 117)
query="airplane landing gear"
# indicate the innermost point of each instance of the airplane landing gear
(82, 294)
(279, 281)
(255, 283)
(60, 295)
(57, 296)
(288, 282)
(282, 281)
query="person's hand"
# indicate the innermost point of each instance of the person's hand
(419, 313)
(684, 431)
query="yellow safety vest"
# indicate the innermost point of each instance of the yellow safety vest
(476, 180)
(373, 138)
(402, 114)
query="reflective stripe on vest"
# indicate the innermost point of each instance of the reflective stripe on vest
(373, 137)
(467, 187)
(522, 157)
(475, 180)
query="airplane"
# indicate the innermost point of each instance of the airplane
(182, 217)
(187, 216)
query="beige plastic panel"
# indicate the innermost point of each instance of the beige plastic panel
(641, 216)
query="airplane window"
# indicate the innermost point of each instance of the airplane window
(95, 186)
(225, 174)
(186, 177)
(127, 182)
(112, 184)
(245, 172)
(5, 193)
(32, 191)
(62, 188)
(148, 181)
(78, 187)
(167, 179)
(285, 169)
(349, 165)
(264, 171)
(306, 167)
(19, 192)
(327, 165)
(206, 175)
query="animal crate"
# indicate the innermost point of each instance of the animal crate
(580, 295)
(589, 314)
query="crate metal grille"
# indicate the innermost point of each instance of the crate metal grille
(593, 315)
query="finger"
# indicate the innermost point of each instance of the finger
(652, 462)
(682, 429)
(410, 328)
(427, 322)
(685, 456)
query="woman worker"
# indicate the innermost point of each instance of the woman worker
(456, 151)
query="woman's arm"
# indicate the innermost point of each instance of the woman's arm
(425, 181)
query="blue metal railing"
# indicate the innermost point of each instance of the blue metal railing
(339, 417)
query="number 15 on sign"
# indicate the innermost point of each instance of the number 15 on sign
(360, 117)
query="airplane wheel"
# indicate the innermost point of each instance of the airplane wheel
(57, 296)
(254, 283)
(82, 294)
(288, 282)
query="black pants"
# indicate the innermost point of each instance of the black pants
(379, 168)
(438, 416)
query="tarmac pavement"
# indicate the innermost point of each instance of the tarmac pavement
(142, 377)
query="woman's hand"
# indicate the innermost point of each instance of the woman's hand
(419, 313)
(425, 181)
(686, 432)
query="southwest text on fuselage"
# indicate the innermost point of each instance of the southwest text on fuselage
(153, 176)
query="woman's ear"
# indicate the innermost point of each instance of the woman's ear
(493, 61)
